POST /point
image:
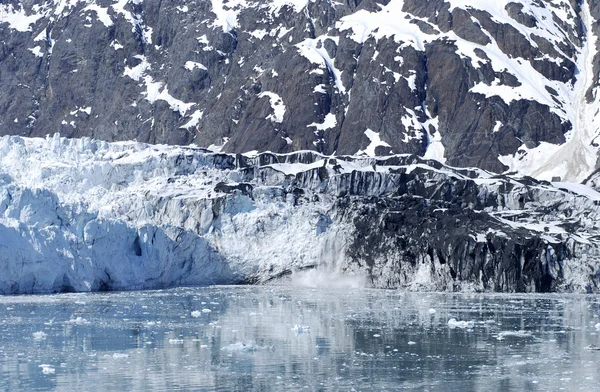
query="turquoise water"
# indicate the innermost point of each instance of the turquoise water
(293, 338)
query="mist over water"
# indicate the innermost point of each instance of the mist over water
(271, 338)
(320, 278)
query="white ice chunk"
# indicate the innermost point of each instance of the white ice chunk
(453, 323)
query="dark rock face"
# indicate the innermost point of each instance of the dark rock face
(299, 75)
(419, 225)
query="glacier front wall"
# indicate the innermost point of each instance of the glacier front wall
(84, 215)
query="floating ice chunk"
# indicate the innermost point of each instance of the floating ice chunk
(432, 311)
(40, 335)
(598, 326)
(196, 313)
(239, 346)
(453, 323)
(411, 343)
(77, 321)
(300, 329)
(47, 369)
(205, 310)
(516, 334)
(120, 355)
(175, 341)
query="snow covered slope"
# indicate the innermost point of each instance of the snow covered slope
(501, 85)
(86, 215)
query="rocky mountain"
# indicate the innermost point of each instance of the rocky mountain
(500, 85)
(85, 215)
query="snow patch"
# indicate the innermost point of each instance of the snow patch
(375, 142)
(101, 13)
(328, 123)
(453, 324)
(18, 19)
(194, 120)
(277, 106)
(191, 65)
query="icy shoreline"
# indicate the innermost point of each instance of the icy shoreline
(86, 215)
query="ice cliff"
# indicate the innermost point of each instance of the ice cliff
(87, 215)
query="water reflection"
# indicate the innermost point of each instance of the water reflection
(276, 338)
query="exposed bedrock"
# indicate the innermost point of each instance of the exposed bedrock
(472, 84)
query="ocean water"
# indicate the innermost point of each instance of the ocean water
(271, 338)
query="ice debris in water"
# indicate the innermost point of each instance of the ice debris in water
(239, 346)
(432, 311)
(196, 313)
(452, 323)
(598, 326)
(300, 329)
(120, 355)
(206, 310)
(517, 334)
(77, 321)
(40, 335)
(47, 369)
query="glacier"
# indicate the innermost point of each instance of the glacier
(88, 215)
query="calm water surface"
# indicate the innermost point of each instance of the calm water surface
(291, 339)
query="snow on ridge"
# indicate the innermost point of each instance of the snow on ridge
(137, 72)
(101, 13)
(275, 6)
(315, 52)
(158, 91)
(576, 159)
(136, 21)
(226, 13)
(18, 19)
(546, 27)
(389, 21)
